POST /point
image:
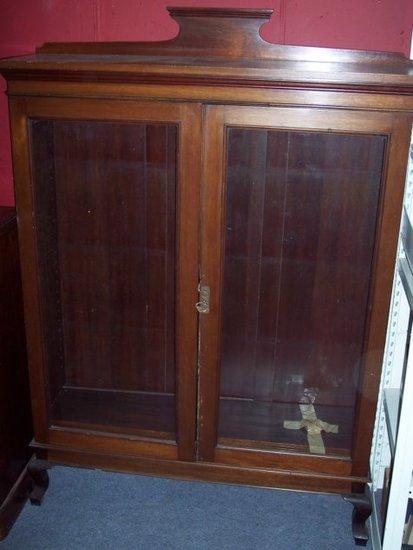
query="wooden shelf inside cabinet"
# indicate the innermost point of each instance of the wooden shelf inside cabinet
(247, 423)
(134, 413)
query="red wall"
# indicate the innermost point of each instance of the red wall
(24, 24)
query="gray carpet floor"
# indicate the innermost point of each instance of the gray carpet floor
(88, 510)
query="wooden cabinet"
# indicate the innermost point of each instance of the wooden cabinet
(15, 418)
(208, 232)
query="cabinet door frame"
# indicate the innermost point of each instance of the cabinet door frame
(397, 128)
(188, 117)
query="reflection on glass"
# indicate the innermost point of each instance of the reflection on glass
(105, 205)
(301, 210)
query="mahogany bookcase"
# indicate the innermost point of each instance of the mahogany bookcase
(208, 229)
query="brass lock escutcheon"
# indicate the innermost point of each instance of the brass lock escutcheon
(204, 293)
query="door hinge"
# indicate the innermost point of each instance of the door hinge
(204, 293)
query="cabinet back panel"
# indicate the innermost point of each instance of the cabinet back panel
(105, 205)
(300, 223)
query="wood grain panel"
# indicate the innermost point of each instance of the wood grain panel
(330, 217)
(272, 236)
(243, 421)
(246, 164)
(300, 223)
(142, 413)
(105, 196)
(254, 226)
(281, 458)
(230, 95)
(42, 151)
(205, 471)
(106, 443)
(115, 194)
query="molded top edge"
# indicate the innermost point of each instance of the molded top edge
(216, 33)
(249, 13)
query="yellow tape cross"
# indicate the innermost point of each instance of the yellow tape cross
(314, 426)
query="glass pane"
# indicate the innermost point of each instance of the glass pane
(105, 211)
(301, 211)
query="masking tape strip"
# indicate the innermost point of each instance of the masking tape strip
(313, 426)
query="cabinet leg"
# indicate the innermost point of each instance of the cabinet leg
(361, 512)
(37, 470)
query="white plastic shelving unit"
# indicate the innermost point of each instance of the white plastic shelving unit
(393, 439)
(399, 415)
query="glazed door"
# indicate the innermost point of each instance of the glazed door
(112, 326)
(290, 239)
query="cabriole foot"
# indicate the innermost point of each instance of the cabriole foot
(361, 513)
(37, 469)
